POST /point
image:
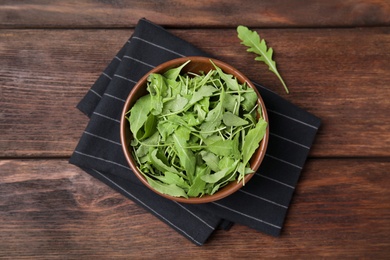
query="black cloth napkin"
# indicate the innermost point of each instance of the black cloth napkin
(261, 204)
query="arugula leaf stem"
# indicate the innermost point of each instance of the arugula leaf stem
(220, 133)
(212, 132)
(235, 109)
(193, 74)
(206, 78)
(253, 109)
(195, 146)
(231, 133)
(242, 128)
(153, 145)
(136, 157)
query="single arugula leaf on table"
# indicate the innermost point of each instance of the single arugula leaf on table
(258, 46)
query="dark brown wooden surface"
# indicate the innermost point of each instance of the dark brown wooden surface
(204, 13)
(340, 209)
(334, 56)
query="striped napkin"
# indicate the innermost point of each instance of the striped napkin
(261, 204)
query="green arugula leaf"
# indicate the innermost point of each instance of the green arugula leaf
(230, 80)
(176, 104)
(198, 186)
(149, 127)
(175, 72)
(141, 151)
(228, 178)
(215, 177)
(190, 119)
(173, 178)
(159, 165)
(230, 119)
(258, 46)
(186, 156)
(169, 189)
(203, 91)
(232, 102)
(250, 99)
(214, 117)
(236, 152)
(212, 161)
(139, 114)
(221, 147)
(166, 128)
(226, 162)
(243, 170)
(157, 88)
(252, 140)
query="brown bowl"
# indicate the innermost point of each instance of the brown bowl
(196, 65)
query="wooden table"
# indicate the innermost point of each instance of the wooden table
(334, 56)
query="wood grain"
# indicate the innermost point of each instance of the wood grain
(50, 209)
(202, 13)
(340, 75)
(334, 56)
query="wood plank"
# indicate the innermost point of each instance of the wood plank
(43, 79)
(49, 208)
(183, 13)
(342, 76)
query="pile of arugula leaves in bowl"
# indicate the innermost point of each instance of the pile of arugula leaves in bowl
(195, 132)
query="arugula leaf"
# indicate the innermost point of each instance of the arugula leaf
(176, 104)
(141, 151)
(169, 189)
(230, 119)
(159, 163)
(149, 127)
(236, 152)
(211, 160)
(230, 80)
(258, 46)
(190, 119)
(175, 72)
(201, 109)
(252, 140)
(214, 117)
(173, 178)
(243, 170)
(228, 178)
(157, 88)
(226, 162)
(221, 147)
(139, 114)
(232, 102)
(166, 128)
(215, 177)
(250, 98)
(204, 91)
(187, 158)
(198, 186)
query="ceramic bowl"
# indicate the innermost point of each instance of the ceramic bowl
(196, 65)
